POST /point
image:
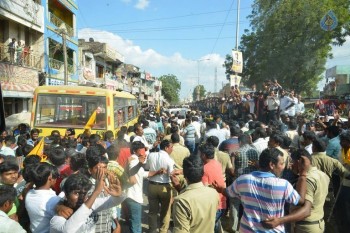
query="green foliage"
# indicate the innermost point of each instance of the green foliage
(170, 88)
(286, 42)
(202, 92)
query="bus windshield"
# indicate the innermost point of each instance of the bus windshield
(71, 111)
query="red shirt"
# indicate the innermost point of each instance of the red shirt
(124, 154)
(213, 172)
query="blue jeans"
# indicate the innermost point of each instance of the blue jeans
(190, 144)
(134, 213)
(219, 213)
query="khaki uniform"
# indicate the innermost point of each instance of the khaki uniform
(225, 161)
(179, 153)
(168, 137)
(316, 193)
(194, 210)
(327, 164)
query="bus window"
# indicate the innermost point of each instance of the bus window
(69, 111)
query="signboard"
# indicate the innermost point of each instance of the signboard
(237, 61)
(329, 22)
(235, 80)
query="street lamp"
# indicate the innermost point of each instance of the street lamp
(198, 88)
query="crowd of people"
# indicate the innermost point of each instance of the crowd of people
(266, 175)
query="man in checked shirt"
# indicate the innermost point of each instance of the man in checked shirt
(240, 159)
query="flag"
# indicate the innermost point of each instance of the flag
(39, 150)
(158, 107)
(91, 121)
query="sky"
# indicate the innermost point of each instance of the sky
(186, 38)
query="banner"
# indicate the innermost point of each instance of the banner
(235, 80)
(237, 61)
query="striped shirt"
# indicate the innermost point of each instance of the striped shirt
(263, 196)
(189, 133)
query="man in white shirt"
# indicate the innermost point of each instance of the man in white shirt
(134, 199)
(139, 137)
(159, 189)
(299, 106)
(272, 103)
(197, 127)
(7, 199)
(8, 148)
(286, 103)
(41, 201)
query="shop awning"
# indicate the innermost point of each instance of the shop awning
(17, 94)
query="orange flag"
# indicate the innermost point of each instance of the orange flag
(91, 121)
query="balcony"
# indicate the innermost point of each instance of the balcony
(27, 59)
(61, 24)
(58, 65)
(28, 13)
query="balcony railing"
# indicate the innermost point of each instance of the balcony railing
(26, 58)
(59, 22)
(58, 65)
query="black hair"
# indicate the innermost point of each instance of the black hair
(277, 138)
(296, 154)
(113, 152)
(213, 140)
(267, 156)
(124, 129)
(95, 150)
(55, 133)
(145, 124)
(234, 131)
(319, 145)
(174, 129)
(333, 129)
(345, 135)
(41, 173)
(136, 146)
(7, 166)
(193, 169)
(29, 163)
(208, 150)
(94, 139)
(78, 161)
(131, 129)
(76, 182)
(175, 138)
(241, 124)
(57, 156)
(93, 160)
(309, 135)
(21, 141)
(211, 125)
(164, 144)
(260, 132)
(293, 124)
(244, 139)
(34, 131)
(7, 193)
(286, 142)
(108, 135)
(69, 152)
(10, 140)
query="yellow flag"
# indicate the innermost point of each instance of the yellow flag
(158, 107)
(91, 121)
(38, 149)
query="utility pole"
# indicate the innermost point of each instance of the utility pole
(216, 79)
(63, 33)
(237, 25)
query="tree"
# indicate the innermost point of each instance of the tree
(202, 92)
(170, 88)
(286, 42)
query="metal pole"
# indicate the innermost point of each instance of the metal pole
(198, 91)
(237, 24)
(65, 57)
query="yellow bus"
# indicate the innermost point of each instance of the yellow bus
(62, 107)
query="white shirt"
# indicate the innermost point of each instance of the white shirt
(82, 221)
(260, 144)
(215, 132)
(158, 160)
(197, 127)
(272, 103)
(8, 225)
(135, 191)
(299, 107)
(40, 205)
(291, 111)
(285, 101)
(7, 151)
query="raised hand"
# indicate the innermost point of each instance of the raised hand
(115, 188)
